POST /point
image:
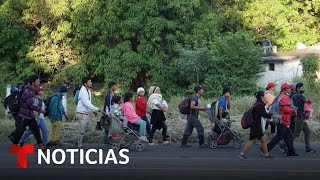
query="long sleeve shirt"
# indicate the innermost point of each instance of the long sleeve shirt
(84, 102)
(141, 106)
(27, 104)
(129, 112)
(286, 109)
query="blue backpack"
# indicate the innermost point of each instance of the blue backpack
(275, 108)
(76, 97)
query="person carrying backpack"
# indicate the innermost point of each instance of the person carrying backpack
(26, 112)
(283, 128)
(56, 113)
(11, 103)
(39, 117)
(193, 119)
(299, 101)
(258, 111)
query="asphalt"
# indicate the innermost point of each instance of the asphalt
(172, 162)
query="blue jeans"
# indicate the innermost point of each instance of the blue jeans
(42, 126)
(148, 127)
(142, 128)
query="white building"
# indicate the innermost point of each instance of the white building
(284, 67)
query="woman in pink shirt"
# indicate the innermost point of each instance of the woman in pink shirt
(131, 115)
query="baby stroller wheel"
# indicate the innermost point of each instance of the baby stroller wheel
(140, 147)
(237, 144)
(213, 144)
(115, 147)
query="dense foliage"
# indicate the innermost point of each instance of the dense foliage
(172, 44)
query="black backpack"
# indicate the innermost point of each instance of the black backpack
(13, 102)
(47, 103)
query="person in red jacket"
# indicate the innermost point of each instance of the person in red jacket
(141, 108)
(283, 128)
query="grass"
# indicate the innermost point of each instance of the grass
(176, 122)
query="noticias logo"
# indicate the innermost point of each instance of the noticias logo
(50, 157)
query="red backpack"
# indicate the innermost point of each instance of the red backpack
(184, 106)
(247, 118)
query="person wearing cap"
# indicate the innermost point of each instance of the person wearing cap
(269, 97)
(224, 101)
(193, 119)
(156, 103)
(141, 108)
(38, 101)
(283, 128)
(299, 101)
(107, 105)
(56, 113)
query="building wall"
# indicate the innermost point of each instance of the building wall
(284, 72)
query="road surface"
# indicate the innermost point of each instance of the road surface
(173, 162)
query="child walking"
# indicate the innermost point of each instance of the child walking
(141, 108)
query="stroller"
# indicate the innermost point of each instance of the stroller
(221, 133)
(123, 134)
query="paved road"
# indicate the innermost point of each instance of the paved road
(171, 161)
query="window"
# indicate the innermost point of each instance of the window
(271, 66)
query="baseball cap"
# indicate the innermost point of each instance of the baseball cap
(270, 85)
(285, 86)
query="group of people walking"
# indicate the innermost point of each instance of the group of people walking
(31, 113)
(33, 109)
(292, 119)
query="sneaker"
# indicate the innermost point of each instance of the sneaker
(42, 147)
(153, 144)
(144, 138)
(166, 142)
(185, 145)
(243, 157)
(310, 150)
(204, 145)
(268, 157)
(292, 155)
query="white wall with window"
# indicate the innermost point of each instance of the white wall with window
(280, 71)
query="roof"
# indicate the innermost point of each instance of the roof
(292, 55)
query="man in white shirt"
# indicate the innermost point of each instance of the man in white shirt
(84, 107)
